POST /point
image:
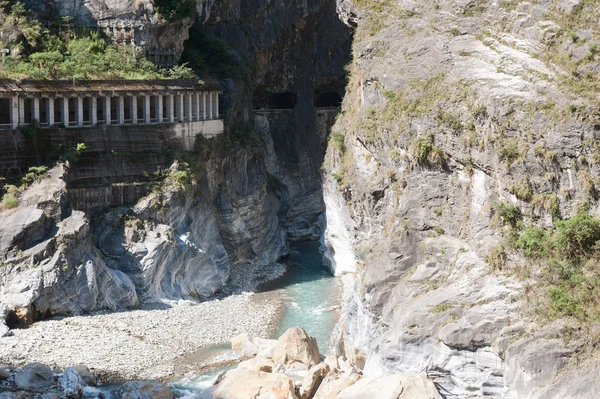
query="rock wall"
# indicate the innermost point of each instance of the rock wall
(125, 22)
(451, 106)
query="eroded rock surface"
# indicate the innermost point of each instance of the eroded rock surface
(278, 377)
(467, 81)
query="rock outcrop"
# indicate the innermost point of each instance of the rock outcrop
(308, 378)
(296, 349)
(451, 108)
(54, 267)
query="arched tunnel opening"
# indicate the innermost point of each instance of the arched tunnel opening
(327, 99)
(274, 100)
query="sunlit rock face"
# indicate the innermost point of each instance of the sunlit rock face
(449, 75)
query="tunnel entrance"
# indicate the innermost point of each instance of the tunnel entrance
(327, 99)
(270, 100)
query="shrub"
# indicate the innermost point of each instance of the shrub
(9, 201)
(173, 10)
(508, 152)
(523, 190)
(420, 148)
(562, 302)
(504, 214)
(533, 242)
(577, 236)
(497, 257)
(547, 202)
(338, 141)
(72, 154)
(423, 151)
(33, 175)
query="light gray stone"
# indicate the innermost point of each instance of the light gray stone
(71, 383)
(296, 349)
(35, 377)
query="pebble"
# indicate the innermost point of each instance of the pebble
(143, 343)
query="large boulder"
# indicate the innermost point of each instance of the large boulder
(396, 386)
(145, 390)
(243, 383)
(296, 349)
(248, 346)
(71, 384)
(35, 377)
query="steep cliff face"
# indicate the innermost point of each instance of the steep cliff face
(454, 113)
(234, 205)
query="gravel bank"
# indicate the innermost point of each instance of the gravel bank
(149, 342)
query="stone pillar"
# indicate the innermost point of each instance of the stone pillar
(159, 108)
(79, 111)
(50, 111)
(107, 111)
(21, 111)
(65, 111)
(14, 112)
(197, 97)
(203, 105)
(171, 108)
(189, 106)
(216, 105)
(210, 105)
(147, 109)
(181, 108)
(94, 110)
(134, 115)
(35, 109)
(121, 110)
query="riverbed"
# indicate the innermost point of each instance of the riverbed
(310, 296)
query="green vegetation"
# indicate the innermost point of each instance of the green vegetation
(62, 52)
(424, 152)
(173, 10)
(33, 175)
(523, 190)
(205, 53)
(569, 253)
(9, 199)
(504, 214)
(338, 141)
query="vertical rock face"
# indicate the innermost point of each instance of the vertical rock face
(449, 108)
(297, 52)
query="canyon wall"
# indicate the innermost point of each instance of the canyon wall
(135, 217)
(454, 112)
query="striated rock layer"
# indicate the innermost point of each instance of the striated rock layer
(451, 106)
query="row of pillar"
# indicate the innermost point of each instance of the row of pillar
(188, 107)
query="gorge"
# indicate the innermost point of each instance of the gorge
(443, 155)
